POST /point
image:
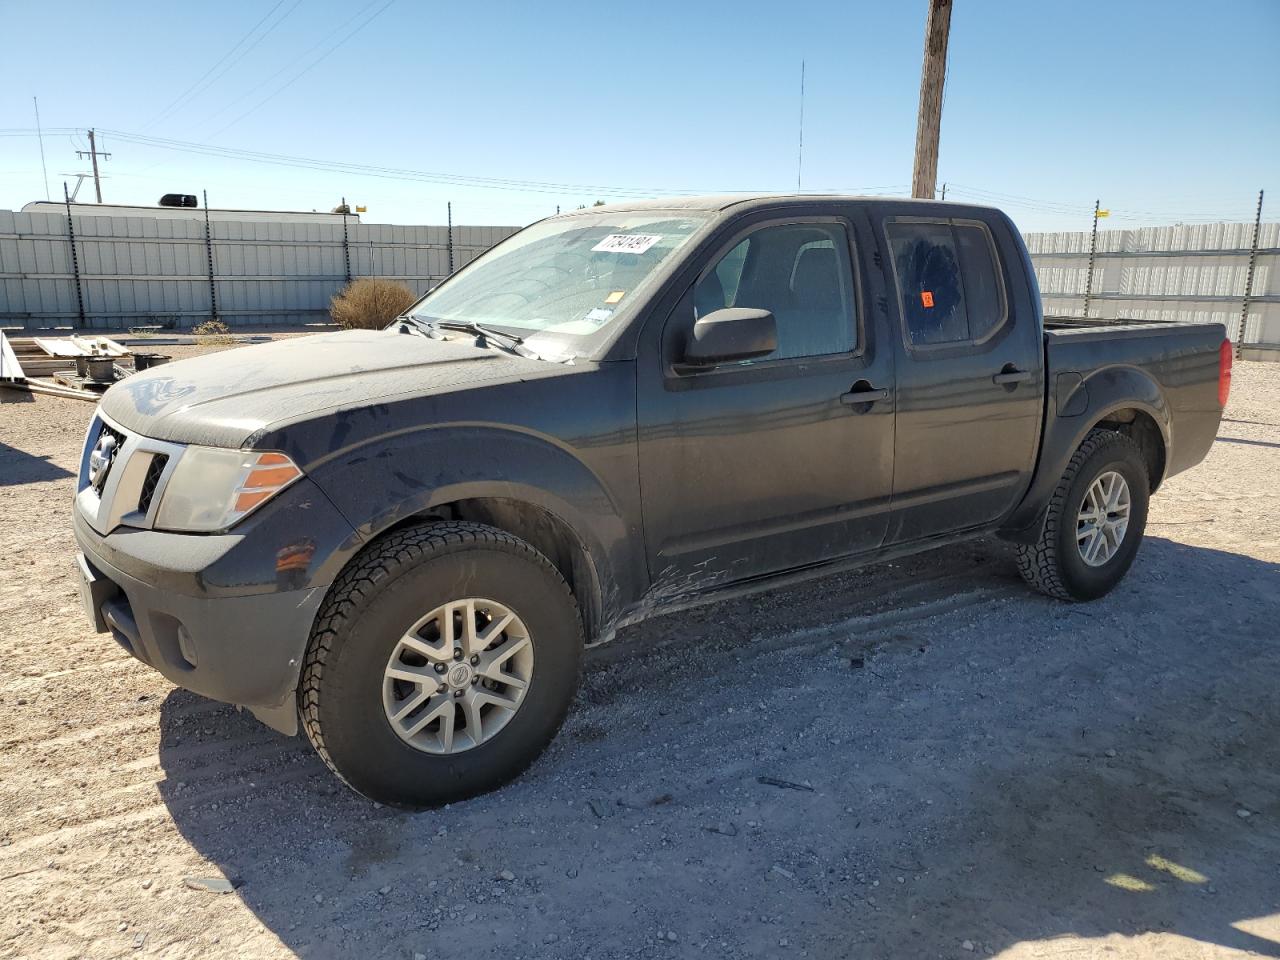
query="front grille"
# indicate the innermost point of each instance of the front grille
(99, 477)
(113, 432)
(149, 482)
(123, 476)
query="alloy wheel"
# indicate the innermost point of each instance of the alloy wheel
(458, 676)
(1103, 519)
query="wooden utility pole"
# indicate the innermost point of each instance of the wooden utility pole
(94, 154)
(932, 77)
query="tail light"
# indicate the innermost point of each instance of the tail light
(1225, 356)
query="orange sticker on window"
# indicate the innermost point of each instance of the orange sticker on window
(926, 298)
(615, 296)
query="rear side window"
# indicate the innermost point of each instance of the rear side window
(948, 281)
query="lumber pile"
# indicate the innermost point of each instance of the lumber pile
(49, 365)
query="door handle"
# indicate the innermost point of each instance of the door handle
(1011, 375)
(860, 395)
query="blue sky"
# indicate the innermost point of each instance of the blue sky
(1164, 109)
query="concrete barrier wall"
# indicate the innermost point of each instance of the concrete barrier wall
(145, 270)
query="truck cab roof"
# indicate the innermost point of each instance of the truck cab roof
(747, 201)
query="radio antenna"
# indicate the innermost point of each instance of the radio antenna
(800, 156)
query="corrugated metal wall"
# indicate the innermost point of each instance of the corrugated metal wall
(1190, 273)
(144, 270)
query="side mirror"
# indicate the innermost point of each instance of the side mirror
(733, 333)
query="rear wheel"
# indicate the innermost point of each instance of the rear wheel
(1095, 521)
(442, 663)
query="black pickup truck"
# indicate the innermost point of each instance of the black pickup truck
(404, 538)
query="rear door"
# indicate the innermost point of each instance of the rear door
(753, 468)
(970, 370)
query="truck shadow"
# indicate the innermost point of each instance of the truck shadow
(18, 467)
(1082, 778)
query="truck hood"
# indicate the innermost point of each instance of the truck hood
(224, 399)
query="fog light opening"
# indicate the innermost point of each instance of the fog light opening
(187, 646)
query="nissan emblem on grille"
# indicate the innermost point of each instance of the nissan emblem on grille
(100, 460)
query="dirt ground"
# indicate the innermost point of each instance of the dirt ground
(974, 770)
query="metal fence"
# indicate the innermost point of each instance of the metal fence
(1193, 273)
(130, 271)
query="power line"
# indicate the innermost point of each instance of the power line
(297, 76)
(1063, 208)
(311, 66)
(1077, 207)
(398, 173)
(451, 179)
(200, 86)
(395, 173)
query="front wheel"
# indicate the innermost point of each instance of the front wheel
(1094, 523)
(441, 664)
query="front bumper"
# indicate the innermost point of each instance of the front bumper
(225, 616)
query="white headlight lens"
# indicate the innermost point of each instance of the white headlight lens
(212, 488)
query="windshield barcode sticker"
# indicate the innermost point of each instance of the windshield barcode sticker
(626, 243)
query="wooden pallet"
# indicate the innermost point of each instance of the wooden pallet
(84, 383)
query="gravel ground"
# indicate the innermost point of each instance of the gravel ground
(920, 759)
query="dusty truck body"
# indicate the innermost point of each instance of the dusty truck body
(401, 540)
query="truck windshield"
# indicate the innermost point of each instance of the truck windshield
(565, 277)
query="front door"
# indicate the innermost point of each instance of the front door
(756, 467)
(970, 377)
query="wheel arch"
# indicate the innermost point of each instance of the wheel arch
(514, 480)
(1125, 399)
(1144, 430)
(543, 529)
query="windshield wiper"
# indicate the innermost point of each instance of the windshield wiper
(481, 331)
(425, 326)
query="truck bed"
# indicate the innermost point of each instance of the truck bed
(1064, 322)
(1170, 368)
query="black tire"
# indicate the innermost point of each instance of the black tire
(383, 591)
(1054, 565)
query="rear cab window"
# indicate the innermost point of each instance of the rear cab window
(950, 285)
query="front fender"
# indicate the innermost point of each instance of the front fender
(1077, 405)
(387, 480)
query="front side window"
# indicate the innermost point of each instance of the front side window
(948, 281)
(799, 272)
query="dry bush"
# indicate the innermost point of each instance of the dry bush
(368, 304)
(213, 332)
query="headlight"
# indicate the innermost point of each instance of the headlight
(211, 488)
